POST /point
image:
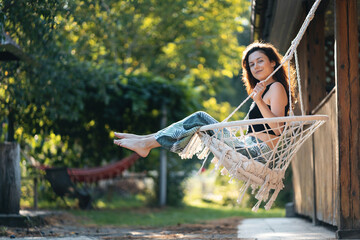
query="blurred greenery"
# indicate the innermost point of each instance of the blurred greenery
(103, 66)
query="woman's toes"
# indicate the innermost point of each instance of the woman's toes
(117, 142)
(118, 135)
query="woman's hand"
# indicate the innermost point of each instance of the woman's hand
(258, 92)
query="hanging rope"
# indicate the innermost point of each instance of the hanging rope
(299, 82)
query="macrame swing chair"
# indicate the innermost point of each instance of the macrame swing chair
(223, 143)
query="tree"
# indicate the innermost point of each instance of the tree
(182, 40)
(100, 66)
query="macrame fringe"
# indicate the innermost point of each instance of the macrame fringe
(256, 207)
(194, 146)
(242, 191)
(224, 172)
(237, 167)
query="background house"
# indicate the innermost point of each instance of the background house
(326, 170)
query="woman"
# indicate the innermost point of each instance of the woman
(270, 98)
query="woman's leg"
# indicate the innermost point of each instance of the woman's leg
(176, 137)
(254, 148)
(173, 138)
(140, 145)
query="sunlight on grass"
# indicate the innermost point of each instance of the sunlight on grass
(211, 187)
(168, 216)
(207, 198)
(118, 202)
(58, 203)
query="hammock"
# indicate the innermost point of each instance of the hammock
(62, 179)
(100, 173)
(94, 174)
(263, 173)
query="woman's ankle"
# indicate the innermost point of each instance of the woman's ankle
(150, 142)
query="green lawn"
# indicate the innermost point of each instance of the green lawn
(120, 213)
(199, 206)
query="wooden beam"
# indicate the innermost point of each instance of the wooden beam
(316, 63)
(348, 105)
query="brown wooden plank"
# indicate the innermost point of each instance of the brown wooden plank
(342, 49)
(316, 64)
(325, 164)
(303, 180)
(355, 113)
(348, 88)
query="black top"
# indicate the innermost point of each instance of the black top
(255, 113)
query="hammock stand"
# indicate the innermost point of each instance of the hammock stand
(224, 143)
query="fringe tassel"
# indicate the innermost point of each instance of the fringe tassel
(224, 172)
(253, 187)
(220, 161)
(194, 146)
(256, 207)
(262, 190)
(272, 199)
(214, 160)
(242, 191)
(200, 145)
(202, 166)
(204, 153)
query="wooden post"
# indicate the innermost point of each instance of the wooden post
(163, 167)
(35, 193)
(348, 105)
(9, 178)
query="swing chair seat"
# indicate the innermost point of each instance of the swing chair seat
(307, 119)
(268, 176)
(240, 158)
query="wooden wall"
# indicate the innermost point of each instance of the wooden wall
(326, 164)
(327, 167)
(316, 90)
(326, 170)
(314, 166)
(303, 180)
(315, 170)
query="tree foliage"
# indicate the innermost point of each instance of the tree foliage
(110, 65)
(180, 40)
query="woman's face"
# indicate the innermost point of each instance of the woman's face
(260, 65)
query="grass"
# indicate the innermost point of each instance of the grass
(137, 215)
(208, 197)
(122, 203)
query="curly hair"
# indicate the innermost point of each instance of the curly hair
(273, 54)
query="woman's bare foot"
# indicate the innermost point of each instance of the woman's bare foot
(126, 135)
(141, 146)
(129, 135)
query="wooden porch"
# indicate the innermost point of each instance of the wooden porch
(326, 170)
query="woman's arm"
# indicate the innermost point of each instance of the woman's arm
(278, 100)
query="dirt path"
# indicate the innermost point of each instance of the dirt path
(66, 225)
